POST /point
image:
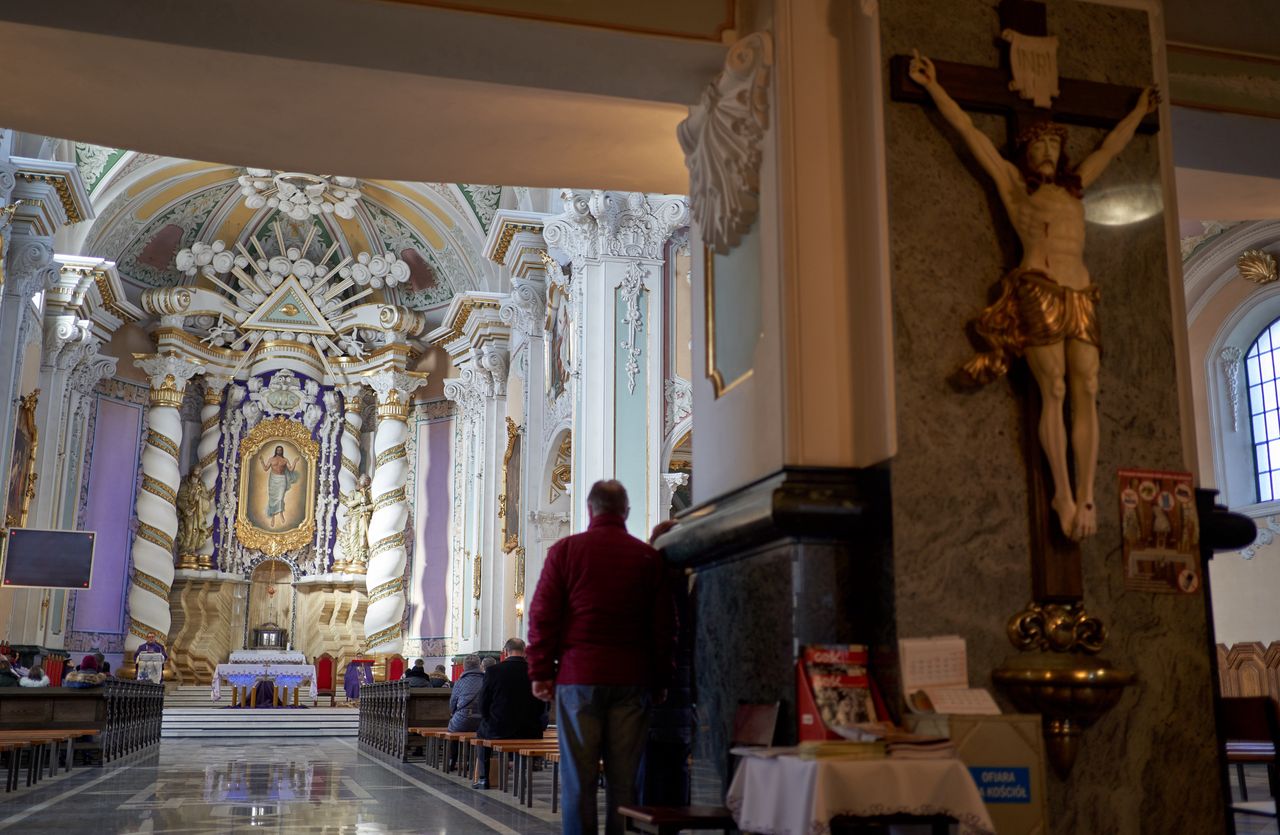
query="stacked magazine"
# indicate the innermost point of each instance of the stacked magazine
(837, 675)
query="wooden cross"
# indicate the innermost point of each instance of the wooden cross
(1056, 575)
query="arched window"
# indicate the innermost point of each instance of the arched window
(1261, 365)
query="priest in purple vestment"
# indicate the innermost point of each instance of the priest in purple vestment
(357, 674)
(151, 645)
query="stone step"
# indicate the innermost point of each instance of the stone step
(262, 722)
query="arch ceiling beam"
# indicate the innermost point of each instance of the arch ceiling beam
(365, 122)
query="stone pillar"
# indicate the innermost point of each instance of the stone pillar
(157, 514)
(615, 245)
(349, 472)
(207, 456)
(385, 579)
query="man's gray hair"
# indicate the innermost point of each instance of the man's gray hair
(487, 662)
(513, 646)
(608, 496)
(471, 662)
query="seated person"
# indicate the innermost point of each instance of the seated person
(35, 677)
(86, 675)
(508, 708)
(416, 676)
(464, 701)
(439, 678)
(8, 678)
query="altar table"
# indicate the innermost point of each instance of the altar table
(787, 794)
(243, 676)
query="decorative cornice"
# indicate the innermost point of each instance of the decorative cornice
(59, 183)
(459, 313)
(721, 140)
(507, 231)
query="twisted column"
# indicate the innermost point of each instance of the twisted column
(157, 511)
(350, 469)
(207, 451)
(387, 552)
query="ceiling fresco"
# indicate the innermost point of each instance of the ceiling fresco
(149, 208)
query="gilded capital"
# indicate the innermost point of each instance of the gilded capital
(169, 374)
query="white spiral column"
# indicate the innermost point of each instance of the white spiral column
(207, 452)
(387, 552)
(349, 472)
(157, 500)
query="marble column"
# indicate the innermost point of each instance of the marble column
(157, 515)
(383, 620)
(349, 472)
(207, 455)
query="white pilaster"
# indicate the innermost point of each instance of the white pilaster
(615, 245)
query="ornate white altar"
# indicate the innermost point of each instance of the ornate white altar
(243, 677)
(267, 656)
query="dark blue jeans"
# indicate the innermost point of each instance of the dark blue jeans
(598, 722)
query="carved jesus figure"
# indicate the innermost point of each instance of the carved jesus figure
(1046, 310)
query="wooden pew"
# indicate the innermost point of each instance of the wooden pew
(122, 716)
(391, 711)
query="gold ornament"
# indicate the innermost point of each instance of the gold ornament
(1258, 266)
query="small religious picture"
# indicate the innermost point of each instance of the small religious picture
(22, 465)
(558, 342)
(1161, 532)
(277, 487)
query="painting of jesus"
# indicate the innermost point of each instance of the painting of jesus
(277, 487)
(282, 473)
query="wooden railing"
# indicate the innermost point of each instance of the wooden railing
(389, 709)
(124, 715)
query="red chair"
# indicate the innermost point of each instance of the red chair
(325, 668)
(395, 668)
(54, 667)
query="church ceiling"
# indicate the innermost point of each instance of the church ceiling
(149, 208)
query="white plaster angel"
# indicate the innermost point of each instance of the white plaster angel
(1046, 310)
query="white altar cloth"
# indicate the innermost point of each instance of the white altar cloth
(247, 675)
(787, 794)
(267, 656)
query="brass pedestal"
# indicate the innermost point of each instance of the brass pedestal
(1070, 690)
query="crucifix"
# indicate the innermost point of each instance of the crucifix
(1045, 312)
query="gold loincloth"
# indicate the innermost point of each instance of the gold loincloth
(1032, 310)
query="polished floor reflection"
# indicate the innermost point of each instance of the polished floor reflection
(285, 785)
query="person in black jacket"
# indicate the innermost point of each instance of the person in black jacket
(417, 675)
(508, 708)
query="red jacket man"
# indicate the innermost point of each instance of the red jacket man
(602, 632)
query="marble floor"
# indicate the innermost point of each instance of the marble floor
(1256, 785)
(193, 786)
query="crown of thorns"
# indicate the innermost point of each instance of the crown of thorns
(1040, 129)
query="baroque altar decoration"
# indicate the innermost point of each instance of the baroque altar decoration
(22, 466)
(276, 509)
(509, 504)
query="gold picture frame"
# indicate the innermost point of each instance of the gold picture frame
(714, 374)
(271, 516)
(22, 466)
(509, 503)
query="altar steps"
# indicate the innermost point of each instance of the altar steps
(217, 722)
(188, 712)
